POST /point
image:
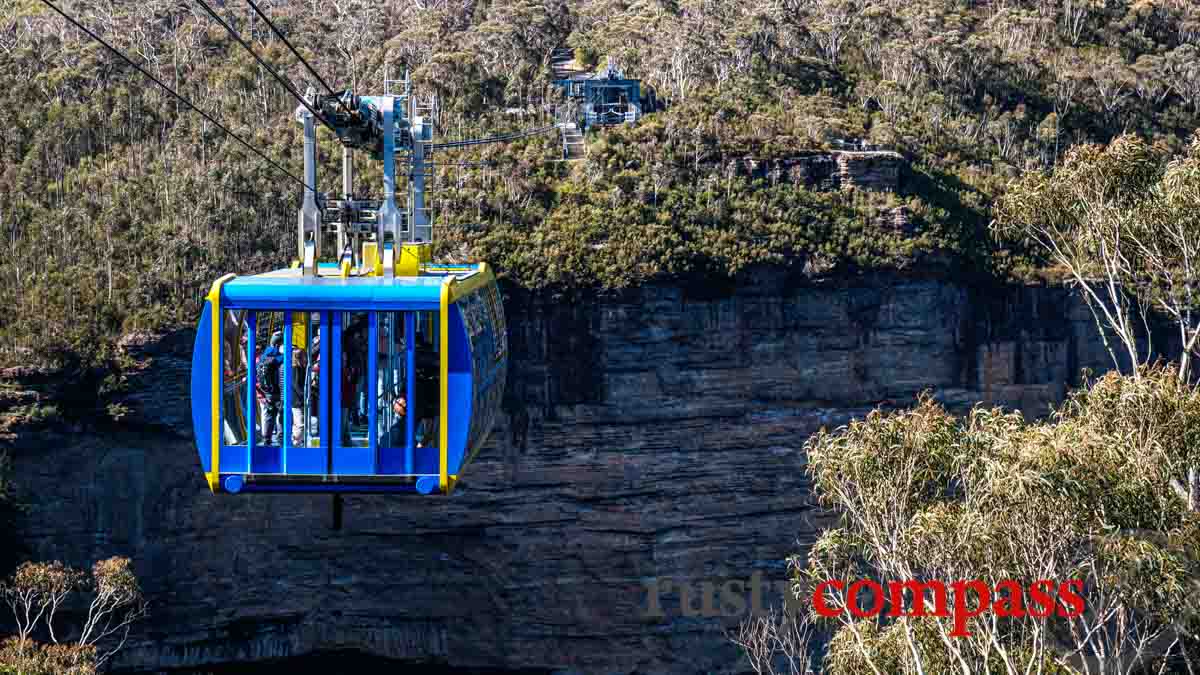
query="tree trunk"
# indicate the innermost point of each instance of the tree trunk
(1193, 488)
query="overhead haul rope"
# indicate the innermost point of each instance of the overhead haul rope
(286, 84)
(178, 96)
(279, 34)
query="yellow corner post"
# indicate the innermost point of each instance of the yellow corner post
(444, 385)
(371, 263)
(214, 301)
(471, 283)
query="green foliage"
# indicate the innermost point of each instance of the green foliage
(1122, 221)
(28, 657)
(120, 208)
(1085, 495)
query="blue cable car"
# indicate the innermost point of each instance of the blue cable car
(386, 383)
(379, 374)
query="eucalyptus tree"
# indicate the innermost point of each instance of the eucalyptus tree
(1123, 222)
(979, 514)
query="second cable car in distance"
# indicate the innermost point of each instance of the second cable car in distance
(381, 373)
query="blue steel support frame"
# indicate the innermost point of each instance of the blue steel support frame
(372, 376)
(410, 389)
(251, 328)
(286, 444)
(327, 373)
(335, 399)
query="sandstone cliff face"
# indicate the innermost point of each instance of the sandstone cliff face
(864, 170)
(650, 437)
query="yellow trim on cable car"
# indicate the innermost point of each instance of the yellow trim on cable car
(444, 385)
(370, 255)
(218, 321)
(412, 257)
(472, 283)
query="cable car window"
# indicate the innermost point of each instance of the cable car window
(391, 384)
(307, 426)
(428, 372)
(353, 404)
(296, 337)
(233, 385)
(268, 360)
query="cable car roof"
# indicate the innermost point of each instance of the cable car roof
(290, 289)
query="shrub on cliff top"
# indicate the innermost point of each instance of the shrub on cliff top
(1088, 495)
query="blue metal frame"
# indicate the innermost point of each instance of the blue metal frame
(251, 328)
(328, 372)
(201, 387)
(331, 466)
(373, 389)
(335, 401)
(410, 389)
(289, 369)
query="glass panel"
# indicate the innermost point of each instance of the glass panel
(233, 384)
(390, 377)
(481, 316)
(353, 406)
(428, 366)
(268, 380)
(306, 379)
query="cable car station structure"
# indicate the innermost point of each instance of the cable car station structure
(604, 98)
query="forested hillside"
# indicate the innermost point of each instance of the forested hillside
(119, 206)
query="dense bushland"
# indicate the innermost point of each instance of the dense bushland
(925, 496)
(119, 207)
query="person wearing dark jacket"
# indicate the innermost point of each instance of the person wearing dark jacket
(269, 374)
(296, 395)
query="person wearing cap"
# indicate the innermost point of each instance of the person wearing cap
(268, 374)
